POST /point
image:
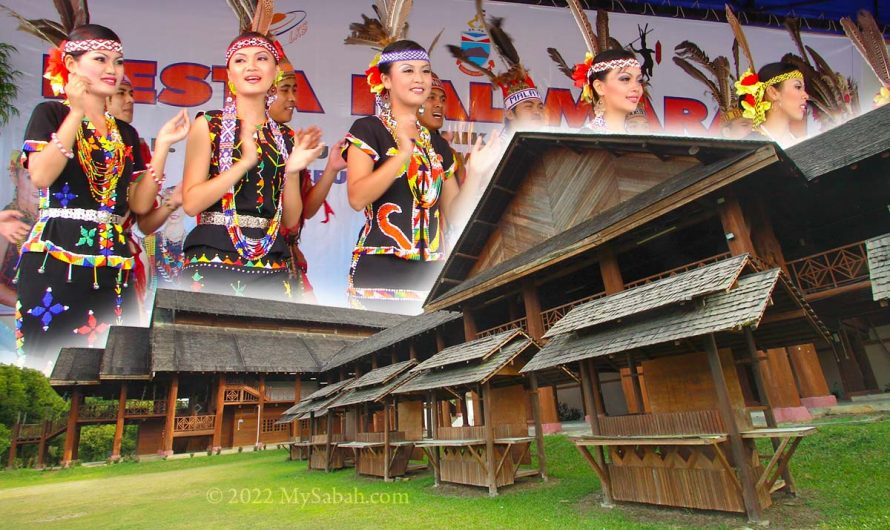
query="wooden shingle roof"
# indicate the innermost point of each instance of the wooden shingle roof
(127, 354)
(382, 375)
(77, 366)
(685, 286)
(472, 372)
(878, 250)
(372, 393)
(474, 350)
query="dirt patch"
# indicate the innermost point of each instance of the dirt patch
(786, 513)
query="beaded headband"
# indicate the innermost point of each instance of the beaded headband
(404, 55)
(91, 45)
(794, 74)
(615, 63)
(252, 42)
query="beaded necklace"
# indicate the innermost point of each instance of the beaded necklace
(248, 248)
(102, 176)
(424, 187)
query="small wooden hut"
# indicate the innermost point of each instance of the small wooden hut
(489, 453)
(688, 332)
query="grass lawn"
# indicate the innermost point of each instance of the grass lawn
(843, 473)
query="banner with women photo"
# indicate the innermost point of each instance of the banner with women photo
(174, 55)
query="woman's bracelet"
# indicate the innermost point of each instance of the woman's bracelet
(154, 175)
(68, 154)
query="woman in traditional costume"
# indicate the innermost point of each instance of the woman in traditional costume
(75, 267)
(774, 98)
(242, 181)
(610, 78)
(401, 176)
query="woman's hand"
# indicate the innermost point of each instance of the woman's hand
(175, 130)
(75, 90)
(307, 147)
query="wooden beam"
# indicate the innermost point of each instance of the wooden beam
(737, 445)
(434, 434)
(71, 429)
(41, 445)
(216, 442)
(735, 226)
(590, 394)
(610, 271)
(386, 449)
(327, 445)
(169, 421)
(119, 424)
(440, 341)
(13, 444)
(298, 396)
(259, 411)
(470, 328)
(533, 314)
(539, 429)
(489, 440)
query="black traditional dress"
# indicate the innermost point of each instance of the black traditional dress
(399, 250)
(236, 249)
(75, 266)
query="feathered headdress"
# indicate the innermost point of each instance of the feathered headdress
(833, 96)
(72, 13)
(390, 26)
(596, 43)
(750, 89)
(715, 74)
(516, 84)
(869, 40)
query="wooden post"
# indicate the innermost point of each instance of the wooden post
(466, 409)
(328, 441)
(386, 449)
(440, 341)
(374, 361)
(71, 429)
(357, 412)
(259, 412)
(737, 445)
(735, 227)
(490, 459)
(469, 324)
(533, 313)
(539, 429)
(119, 426)
(635, 384)
(216, 442)
(393, 357)
(768, 413)
(41, 446)
(434, 433)
(412, 351)
(13, 444)
(610, 271)
(587, 391)
(312, 429)
(169, 423)
(298, 396)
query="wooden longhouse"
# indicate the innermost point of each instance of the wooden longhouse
(210, 372)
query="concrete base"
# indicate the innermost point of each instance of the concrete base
(550, 428)
(818, 401)
(791, 414)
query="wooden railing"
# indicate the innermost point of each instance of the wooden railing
(662, 423)
(241, 394)
(194, 423)
(377, 437)
(678, 270)
(97, 411)
(555, 314)
(478, 431)
(830, 269)
(145, 408)
(519, 323)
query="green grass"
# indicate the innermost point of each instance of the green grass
(843, 473)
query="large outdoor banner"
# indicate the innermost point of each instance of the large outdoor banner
(174, 54)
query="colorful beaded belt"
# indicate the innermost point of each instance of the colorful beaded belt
(244, 221)
(81, 214)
